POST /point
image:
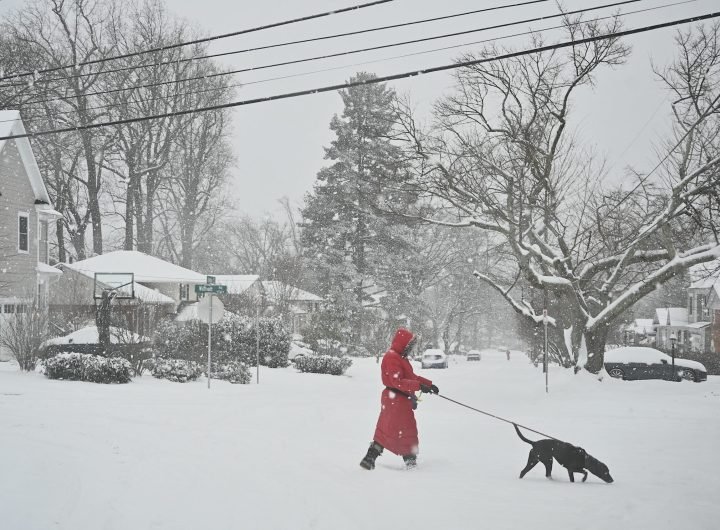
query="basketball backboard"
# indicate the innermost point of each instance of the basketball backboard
(123, 283)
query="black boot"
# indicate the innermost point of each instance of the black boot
(410, 461)
(373, 452)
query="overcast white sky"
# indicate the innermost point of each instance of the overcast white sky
(279, 145)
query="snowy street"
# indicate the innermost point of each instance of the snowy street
(285, 454)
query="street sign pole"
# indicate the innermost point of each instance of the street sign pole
(545, 360)
(209, 341)
(257, 341)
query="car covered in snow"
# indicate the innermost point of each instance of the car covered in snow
(299, 349)
(474, 355)
(434, 358)
(635, 362)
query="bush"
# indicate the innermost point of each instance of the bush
(84, 367)
(234, 340)
(323, 364)
(176, 370)
(186, 341)
(233, 372)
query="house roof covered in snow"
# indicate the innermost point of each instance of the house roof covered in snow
(11, 124)
(671, 316)
(643, 326)
(142, 293)
(146, 268)
(276, 290)
(236, 283)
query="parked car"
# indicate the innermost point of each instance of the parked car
(637, 362)
(474, 355)
(298, 349)
(434, 358)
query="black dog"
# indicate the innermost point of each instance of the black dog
(573, 458)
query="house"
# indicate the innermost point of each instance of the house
(294, 305)
(26, 213)
(673, 322)
(160, 287)
(640, 332)
(244, 293)
(704, 309)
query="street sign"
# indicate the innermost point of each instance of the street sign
(210, 280)
(211, 288)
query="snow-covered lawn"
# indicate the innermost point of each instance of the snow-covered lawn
(284, 454)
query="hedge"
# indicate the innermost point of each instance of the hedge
(323, 364)
(85, 367)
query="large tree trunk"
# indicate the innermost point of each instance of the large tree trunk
(595, 340)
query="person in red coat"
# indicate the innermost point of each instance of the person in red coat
(396, 429)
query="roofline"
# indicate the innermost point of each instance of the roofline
(28, 159)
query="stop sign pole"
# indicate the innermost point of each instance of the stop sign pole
(210, 290)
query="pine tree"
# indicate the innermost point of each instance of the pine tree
(341, 233)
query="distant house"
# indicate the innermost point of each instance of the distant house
(160, 287)
(640, 332)
(704, 309)
(244, 293)
(25, 217)
(293, 304)
(673, 322)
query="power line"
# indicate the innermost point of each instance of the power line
(403, 56)
(200, 41)
(382, 79)
(341, 54)
(287, 43)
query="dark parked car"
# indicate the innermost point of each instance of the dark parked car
(648, 363)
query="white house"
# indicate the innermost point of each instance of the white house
(160, 287)
(294, 304)
(26, 213)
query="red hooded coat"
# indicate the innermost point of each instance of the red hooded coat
(396, 428)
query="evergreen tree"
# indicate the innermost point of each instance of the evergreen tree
(341, 234)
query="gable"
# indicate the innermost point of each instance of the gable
(11, 124)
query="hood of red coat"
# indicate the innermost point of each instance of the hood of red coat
(402, 339)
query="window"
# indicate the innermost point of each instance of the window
(184, 291)
(23, 235)
(9, 309)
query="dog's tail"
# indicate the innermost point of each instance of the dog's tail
(521, 435)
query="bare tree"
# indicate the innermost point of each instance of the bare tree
(502, 161)
(23, 332)
(70, 33)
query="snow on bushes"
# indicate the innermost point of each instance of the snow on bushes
(234, 340)
(233, 372)
(86, 367)
(323, 364)
(176, 370)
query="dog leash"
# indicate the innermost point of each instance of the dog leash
(499, 418)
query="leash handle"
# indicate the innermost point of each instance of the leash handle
(499, 418)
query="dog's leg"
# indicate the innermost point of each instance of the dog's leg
(585, 473)
(548, 463)
(571, 474)
(533, 459)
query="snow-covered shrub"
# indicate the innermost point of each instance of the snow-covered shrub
(233, 340)
(86, 367)
(176, 370)
(323, 364)
(233, 372)
(186, 340)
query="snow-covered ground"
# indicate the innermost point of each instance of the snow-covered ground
(284, 454)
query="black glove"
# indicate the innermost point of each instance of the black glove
(432, 389)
